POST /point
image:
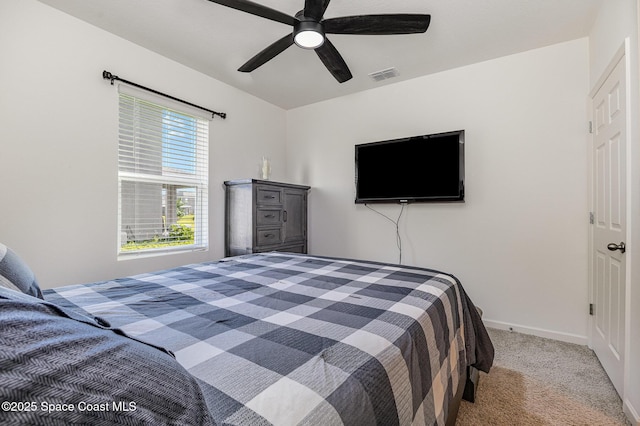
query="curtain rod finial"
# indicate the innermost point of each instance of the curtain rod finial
(108, 76)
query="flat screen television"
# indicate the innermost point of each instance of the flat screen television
(427, 168)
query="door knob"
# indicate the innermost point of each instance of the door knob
(614, 247)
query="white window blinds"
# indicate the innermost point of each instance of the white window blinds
(163, 177)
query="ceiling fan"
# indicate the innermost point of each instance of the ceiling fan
(310, 29)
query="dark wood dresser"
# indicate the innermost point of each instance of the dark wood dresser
(262, 215)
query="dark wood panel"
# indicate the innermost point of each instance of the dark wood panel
(295, 215)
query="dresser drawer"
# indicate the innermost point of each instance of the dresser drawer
(268, 195)
(268, 217)
(267, 237)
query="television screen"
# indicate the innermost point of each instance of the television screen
(427, 168)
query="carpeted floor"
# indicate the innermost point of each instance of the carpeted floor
(538, 381)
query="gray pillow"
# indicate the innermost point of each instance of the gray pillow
(59, 367)
(16, 275)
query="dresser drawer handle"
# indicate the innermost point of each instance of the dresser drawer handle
(269, 235)
(269, 197)
(270, 216)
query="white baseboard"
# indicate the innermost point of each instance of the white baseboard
(540, 332)
(631, 412)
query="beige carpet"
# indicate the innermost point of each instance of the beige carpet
(538, 381)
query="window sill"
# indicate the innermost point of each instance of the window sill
(129, 255)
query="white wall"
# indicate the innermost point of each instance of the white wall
(616, 21)
(58, 156)
(519, 243)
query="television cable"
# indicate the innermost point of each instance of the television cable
(397, 225)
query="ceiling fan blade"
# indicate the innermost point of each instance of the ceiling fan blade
(331, 59)
(378, 24)
(315, 8)
(267, 54)
(258, 10)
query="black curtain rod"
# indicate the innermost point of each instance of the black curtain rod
(108, 76)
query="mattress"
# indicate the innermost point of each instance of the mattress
(287, 339)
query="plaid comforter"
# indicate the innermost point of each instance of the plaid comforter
(285, 339)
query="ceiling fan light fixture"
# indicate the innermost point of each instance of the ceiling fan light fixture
(308, 34)
(309, 39)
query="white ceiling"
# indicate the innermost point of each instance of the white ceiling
(217, 40)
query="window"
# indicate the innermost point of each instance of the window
(163, 177)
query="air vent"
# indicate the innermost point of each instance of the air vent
(384, 74)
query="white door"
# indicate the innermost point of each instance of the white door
(609, 228)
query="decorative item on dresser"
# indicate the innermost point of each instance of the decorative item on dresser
(265, 216)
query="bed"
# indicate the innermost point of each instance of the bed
(269, 338)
